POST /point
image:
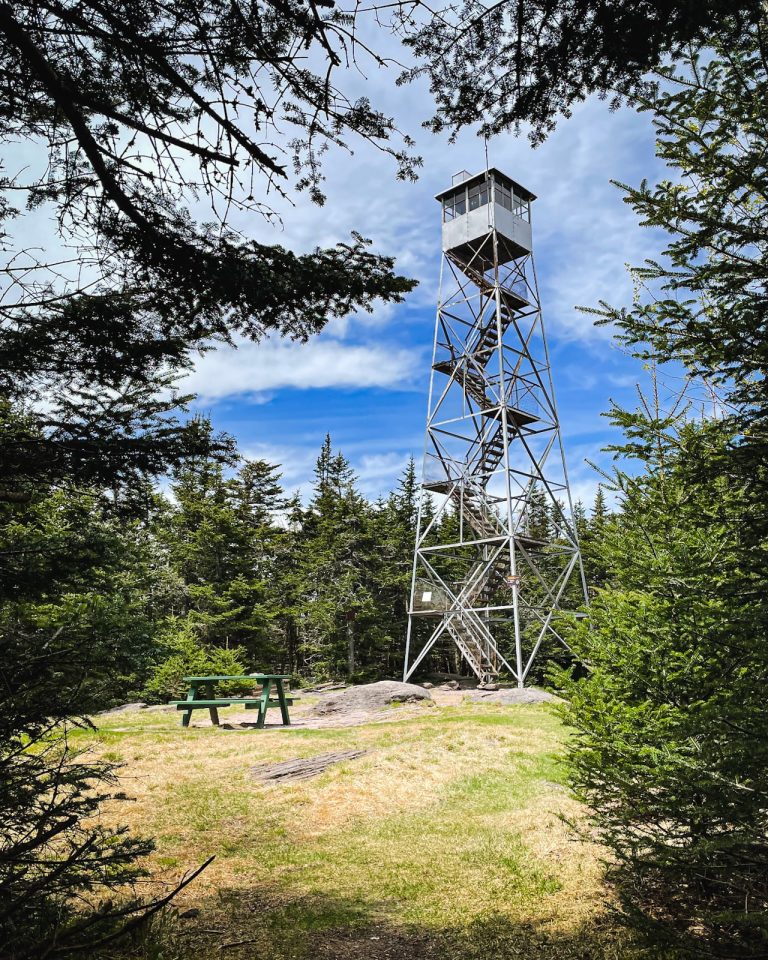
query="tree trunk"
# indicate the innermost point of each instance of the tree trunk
(350, 647)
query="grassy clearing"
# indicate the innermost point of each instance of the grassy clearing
(443, 841)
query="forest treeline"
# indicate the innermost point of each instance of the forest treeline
(225, 572)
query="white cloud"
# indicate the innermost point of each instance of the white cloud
(378, 473)
(378, 465)
(583, 236)
(322, 362)
(584, 233)
(295, 461)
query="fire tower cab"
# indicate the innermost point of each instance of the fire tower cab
(475, 206)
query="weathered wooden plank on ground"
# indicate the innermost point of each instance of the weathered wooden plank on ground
(304, 768)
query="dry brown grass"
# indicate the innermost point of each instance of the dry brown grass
(448, 828)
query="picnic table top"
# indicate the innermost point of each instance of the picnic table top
(242, 676)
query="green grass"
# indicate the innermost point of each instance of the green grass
(445, 840)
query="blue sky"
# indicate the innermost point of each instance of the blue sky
(364, 380)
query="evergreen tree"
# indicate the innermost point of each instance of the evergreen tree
(336, 605)
(138, 112)
(288, 562)
(394, 531)
(670, 748)
(538, 521)
(580, 521)
(599, 513)
(671, 743)
(221, 537)
(592, 542)
(530, 61)
(82, 594)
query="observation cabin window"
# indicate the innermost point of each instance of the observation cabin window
(506, 197)
(455, 205)
(503, 195)
(520, 207)
(478, 195)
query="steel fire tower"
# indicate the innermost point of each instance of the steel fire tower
(496, 549)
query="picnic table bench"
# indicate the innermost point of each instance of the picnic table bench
(201, 697)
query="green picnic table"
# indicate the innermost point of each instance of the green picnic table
(201, 697)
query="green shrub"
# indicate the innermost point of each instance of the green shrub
(187, 656)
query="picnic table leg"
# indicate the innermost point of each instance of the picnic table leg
(263, 703)
(187, 714)
(283, 704)
(214, 711)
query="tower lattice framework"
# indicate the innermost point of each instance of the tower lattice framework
(497, 555)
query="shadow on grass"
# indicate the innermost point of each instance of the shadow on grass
(240, 925)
